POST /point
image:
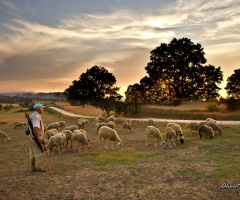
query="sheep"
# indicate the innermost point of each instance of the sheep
(69, 136)
(171, 137)
(101, 119)
(72, 128)
(81, 123)
(126, 127)
(211, 120)
(151, 122)
(96, 120)
(58, 140)
(110, 124)
(62, 125)
(215, 127)
(193, 126)
(178, 130)
(3, 122)
(110, 134)
(111, 118)
(154, 132)
(4, 136)
(55, 125)
(20, 125)
(207, 130)
(80, 137)
(49, 134)
(99, 125)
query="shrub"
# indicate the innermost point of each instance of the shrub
(7, 107)
(1, 107)
(213, 107)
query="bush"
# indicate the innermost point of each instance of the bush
(7, 107)
(1, 107)
(213, 107)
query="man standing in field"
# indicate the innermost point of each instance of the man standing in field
(35, 152)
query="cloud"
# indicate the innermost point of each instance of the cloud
(120, 40)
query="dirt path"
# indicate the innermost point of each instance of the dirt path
(64, 112)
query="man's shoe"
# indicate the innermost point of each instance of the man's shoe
(34, 170)
(41, 170)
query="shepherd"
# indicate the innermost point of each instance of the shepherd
(37, 129)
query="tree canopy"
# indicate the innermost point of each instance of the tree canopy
(233, 84)
(176, 72)
(95, 87)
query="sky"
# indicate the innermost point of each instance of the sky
(47, 44)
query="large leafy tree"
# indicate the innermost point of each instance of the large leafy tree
(233, 85)
(96, 87)
(177, 69)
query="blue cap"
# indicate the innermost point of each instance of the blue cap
(38, 105)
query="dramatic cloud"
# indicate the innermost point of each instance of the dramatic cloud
(35, 55)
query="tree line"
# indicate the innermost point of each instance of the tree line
(176, 72)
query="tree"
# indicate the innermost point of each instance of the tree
(95, 87)
(233, 84)
(177, 69)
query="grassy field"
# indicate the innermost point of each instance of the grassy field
(195, 170)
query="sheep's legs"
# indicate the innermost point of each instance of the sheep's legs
(147, 140)
(155, 145)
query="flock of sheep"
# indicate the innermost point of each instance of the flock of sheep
(57, 135)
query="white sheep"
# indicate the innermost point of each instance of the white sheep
(49, 133)
(111, 118)
(207, 130)
(3, 122)
(101, 119)
(58, 140)
(72, 128)
(20, 125)
(151, 122)
(99, 125)
(171, 137)
(80, 137)
(211, 120)
(153, 132)
(178, 130)
(62, 125)
(69, 136)
(126, 127)
(4, 136)
(81, 123)
(109, 134)
(53, 125)
(215, 127)
(193, 126)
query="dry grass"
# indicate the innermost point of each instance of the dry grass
(195, 170)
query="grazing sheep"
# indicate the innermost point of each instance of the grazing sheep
(3, 122)
(171, 137)
(110, 124)
(193, 126)
(15, 123)
(20, 125)
(154, 132)
(72, 128)
(215, 127)
(178, 130)
(99, 125)
(58, 140)
(69, 136)
(4, 136)
(81, 123)
(53, 125)
(110, 134)
(101, 119)
(111, 118)
(126, 127)
(96, 120)
(62, 125)
(151, 122)
(207, 130)
(49, 134)
(211, 120)
(80, 137)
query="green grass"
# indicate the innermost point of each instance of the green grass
(125, 156)
(188, 171)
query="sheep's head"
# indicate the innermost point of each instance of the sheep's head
(88, 147)
(182, 139)
(119, 145)
(163, 144)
